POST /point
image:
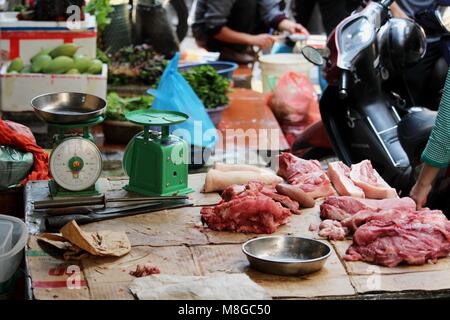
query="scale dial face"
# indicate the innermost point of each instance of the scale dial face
(76, 164)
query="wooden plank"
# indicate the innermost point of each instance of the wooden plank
(110, 277)
(162, 228)
(332, 280)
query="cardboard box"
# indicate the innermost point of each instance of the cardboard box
(18, 89)
(26, 38)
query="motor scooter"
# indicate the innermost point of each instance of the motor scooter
(363, 118)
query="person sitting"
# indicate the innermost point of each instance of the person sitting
(233, 27)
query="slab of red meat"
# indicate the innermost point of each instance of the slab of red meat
(390, 238)
(306, 174)
(339, 175)
(333, 230)
(341, 208)
(367, 178)
(256, 186)
(246, 211)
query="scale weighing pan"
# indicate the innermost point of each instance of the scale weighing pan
(156, 117)
(68, 107)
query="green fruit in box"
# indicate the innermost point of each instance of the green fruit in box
(96, 67)
(59, 65)
(27, 69)
(66, 50)
(40, 63)
(73, 71)
(81, 63)
(40, 53)
(16, 65)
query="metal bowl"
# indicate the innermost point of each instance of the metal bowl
(286, 255)
(68, 107)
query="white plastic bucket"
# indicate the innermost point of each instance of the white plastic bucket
(273, 66)
(10, 260)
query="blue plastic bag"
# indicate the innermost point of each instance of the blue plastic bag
(175, 94)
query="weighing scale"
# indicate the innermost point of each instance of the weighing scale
(75, 162)
(157, 162)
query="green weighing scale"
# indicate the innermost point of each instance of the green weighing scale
(75, 162)
(157, 162)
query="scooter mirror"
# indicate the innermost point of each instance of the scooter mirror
(312, 55)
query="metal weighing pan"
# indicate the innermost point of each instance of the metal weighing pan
(68, 107)
(286, 255)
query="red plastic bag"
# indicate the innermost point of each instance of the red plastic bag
(294, 104)
(20, 137)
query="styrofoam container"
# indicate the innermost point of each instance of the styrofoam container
(10, 260)
(18, 89)
(25, 38)
(6, 229)
(274, 66)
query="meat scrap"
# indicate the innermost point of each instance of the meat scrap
(249, 211)
(333, 230)
(313, 227)
(144, 270)
(392, 237)
(367, 178)
(306, 174)
(339, 175)
(341, 208)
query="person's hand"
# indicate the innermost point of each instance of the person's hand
(419, 193)
(263, 40)
(292, 27)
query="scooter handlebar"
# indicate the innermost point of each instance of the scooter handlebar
(344, 83)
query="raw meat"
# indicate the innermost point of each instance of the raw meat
(145, 270)
(246, 211)
(296, 194)
(367, 178)
(341, 208)
(306, 174)
(333, 230)
(339, 175)
(256, 186)
(313, 227)
(391, 237)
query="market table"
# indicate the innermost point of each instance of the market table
(176, 242)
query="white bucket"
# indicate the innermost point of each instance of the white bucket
(10, 259)
(274, 66)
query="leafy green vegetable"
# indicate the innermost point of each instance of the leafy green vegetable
(210, 86)
(101, 9)
(136, 65)
(118, 106)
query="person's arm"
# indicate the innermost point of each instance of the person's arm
(228, 35)
(273, 17)
(423, 185)
(437, 152)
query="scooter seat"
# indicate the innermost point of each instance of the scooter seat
(414, 131)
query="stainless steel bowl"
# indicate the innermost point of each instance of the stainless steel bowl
(286, 255)
(68, 107)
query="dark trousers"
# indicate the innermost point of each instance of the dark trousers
(332, 11)
(244, 18)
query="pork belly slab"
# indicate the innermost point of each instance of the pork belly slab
(339, 175)
(342, 207)
(306, 174)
